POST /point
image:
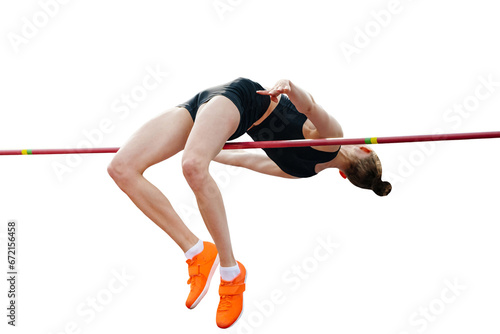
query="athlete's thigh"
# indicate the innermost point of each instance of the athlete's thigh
(157, 140)
(215, 122)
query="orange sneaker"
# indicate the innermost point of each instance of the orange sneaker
(231, 299)
(201, 269)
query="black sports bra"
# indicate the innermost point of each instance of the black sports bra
(285, 123)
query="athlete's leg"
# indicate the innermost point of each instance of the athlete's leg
(215, 123)
(157, 140)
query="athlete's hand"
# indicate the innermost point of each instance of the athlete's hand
(281, 87)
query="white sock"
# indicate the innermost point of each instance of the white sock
(195, 250)
(229, 273)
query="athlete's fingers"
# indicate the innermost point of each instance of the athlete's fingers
(284, 88)
(273, 92)
(276, 91)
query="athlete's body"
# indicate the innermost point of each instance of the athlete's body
(201, 131)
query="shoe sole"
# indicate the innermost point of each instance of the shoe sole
(207, 285)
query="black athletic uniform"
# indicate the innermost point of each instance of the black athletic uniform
(284, 123)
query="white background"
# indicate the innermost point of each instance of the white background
(395, 254)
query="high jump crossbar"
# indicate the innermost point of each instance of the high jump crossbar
(286, 143)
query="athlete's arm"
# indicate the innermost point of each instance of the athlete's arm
(257, 162)
(326, 125)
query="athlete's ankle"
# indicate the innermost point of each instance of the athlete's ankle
(195, 250)
(229, 273)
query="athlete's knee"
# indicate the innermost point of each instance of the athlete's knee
(195, 170)
(121, 172)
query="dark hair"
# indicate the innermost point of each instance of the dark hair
(366, 173)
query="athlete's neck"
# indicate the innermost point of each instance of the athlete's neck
(343, 159)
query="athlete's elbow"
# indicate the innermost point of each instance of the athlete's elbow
(310, 109)
(307, 111)
(284, 175)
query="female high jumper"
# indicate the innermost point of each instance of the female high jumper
(201, 127)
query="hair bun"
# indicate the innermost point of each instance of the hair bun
(382, 188)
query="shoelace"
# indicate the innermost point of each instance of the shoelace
(225, 303)
(191, 280)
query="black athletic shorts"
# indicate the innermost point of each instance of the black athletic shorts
(242, 92)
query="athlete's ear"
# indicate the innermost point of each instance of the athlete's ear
(365, 149)
(342, 174)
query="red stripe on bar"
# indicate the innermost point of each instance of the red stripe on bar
(289, 143)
